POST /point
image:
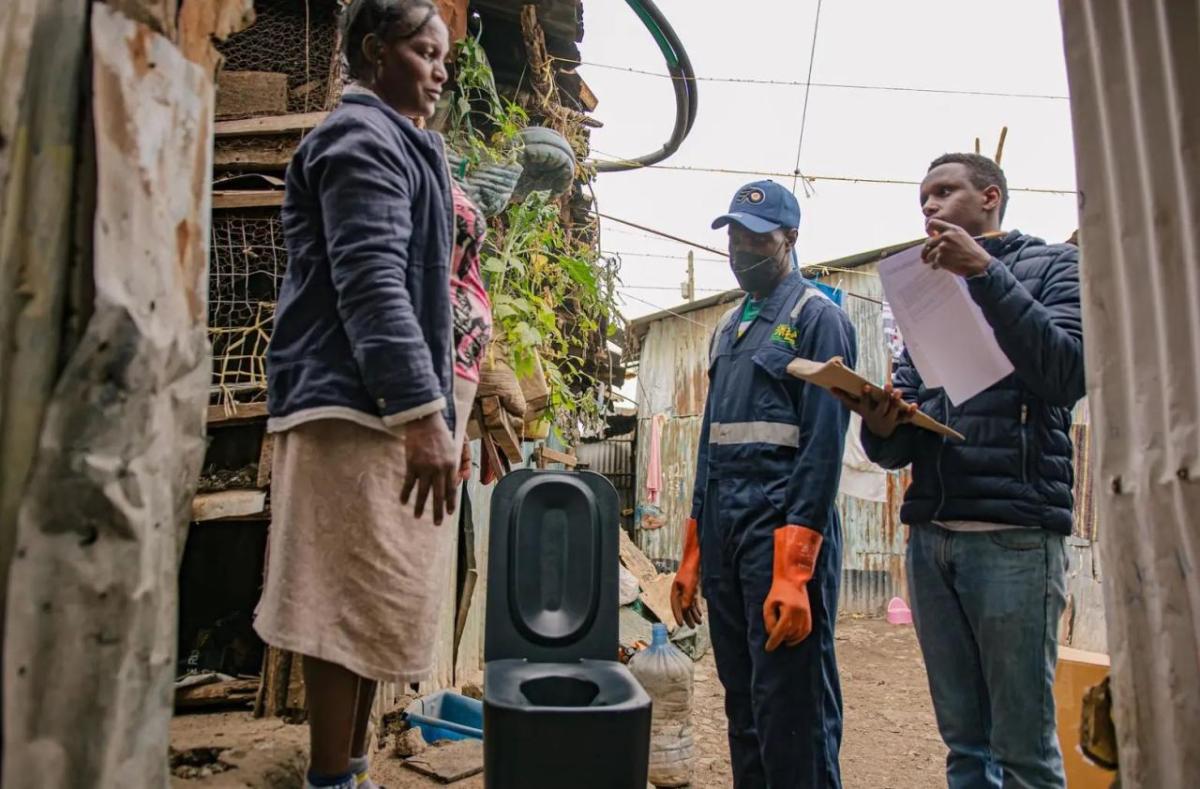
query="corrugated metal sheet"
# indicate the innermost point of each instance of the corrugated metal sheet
(673, 372)
(613, 457)
(873, 544)
(680, 442)
(873, 538)
(672, 380)
(1136, 107)
(1083, 625)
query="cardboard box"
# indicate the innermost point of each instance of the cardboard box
(1078, 671)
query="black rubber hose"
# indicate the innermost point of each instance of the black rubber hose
(683, 79)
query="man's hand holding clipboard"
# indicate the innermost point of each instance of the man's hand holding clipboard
(882, 410)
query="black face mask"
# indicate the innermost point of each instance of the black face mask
(755, 273)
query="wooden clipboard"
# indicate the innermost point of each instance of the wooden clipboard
(835, 375)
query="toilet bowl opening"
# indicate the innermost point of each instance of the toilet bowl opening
(560, 691)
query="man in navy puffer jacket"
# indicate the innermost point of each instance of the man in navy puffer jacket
(986, 559)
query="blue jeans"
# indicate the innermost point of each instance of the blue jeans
(986, 607)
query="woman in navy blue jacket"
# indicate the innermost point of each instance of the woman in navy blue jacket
(360, 387)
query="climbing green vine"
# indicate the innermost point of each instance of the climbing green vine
(552, 298)
(483, 126)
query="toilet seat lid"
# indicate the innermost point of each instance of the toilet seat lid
(552, 568)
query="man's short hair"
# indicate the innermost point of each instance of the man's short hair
(984, 173)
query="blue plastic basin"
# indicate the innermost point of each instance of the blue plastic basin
(447, 715)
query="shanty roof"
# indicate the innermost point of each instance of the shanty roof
(639, 326)
(561, 22)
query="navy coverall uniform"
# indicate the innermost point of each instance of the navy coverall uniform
(770, 455)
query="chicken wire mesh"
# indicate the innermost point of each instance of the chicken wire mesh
(246, 269)
(294, 37)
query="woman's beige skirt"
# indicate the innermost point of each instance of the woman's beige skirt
(352, 576)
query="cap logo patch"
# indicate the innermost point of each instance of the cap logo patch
(752, 195)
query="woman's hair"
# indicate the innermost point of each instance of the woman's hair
(389, 20)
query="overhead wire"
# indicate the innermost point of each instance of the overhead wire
(804, 266)
(670, 288)
(661, 233)
(831, 178)
(995, 94)
(625, 253)
(667, 310)
(812, 59)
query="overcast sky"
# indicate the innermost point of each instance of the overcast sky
(966, 45)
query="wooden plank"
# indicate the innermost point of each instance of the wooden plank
(1077, 672)
(273, 685)
(635, 561)
(454, 14)
(236, 413)
(228, 504)
(201, 22)
(258, 198)
(234, 692)
(281, 691)
(554, 456)
(587, 97)
(656, 595)
(266, 456)
(250, 93)
(270, 154)
(498, 424)
(451, 762)
(269, 125)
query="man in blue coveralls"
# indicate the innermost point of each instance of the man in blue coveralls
(764, 532)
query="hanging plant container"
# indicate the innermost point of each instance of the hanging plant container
(549, 162)
(490, 186)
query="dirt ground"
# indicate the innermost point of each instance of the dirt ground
(890, 741)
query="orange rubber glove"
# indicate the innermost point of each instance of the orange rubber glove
(786, 612)
(684, 601)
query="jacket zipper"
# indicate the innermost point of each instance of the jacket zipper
(941, 448)
(1024, 442)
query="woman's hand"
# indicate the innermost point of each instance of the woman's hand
(432, 466)
(464, 465)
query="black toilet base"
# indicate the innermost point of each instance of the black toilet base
(562, 749)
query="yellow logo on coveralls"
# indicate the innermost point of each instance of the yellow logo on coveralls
(784, 335)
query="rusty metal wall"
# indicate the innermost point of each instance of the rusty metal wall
(672, 380)
(673, 371)
(1135, 103)
(873, 544)
(873, 537)
(680, 442)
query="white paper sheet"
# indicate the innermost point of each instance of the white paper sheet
(944, 329)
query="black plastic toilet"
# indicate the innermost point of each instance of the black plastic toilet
(559, 710)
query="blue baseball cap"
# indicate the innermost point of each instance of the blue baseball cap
(761, 207)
